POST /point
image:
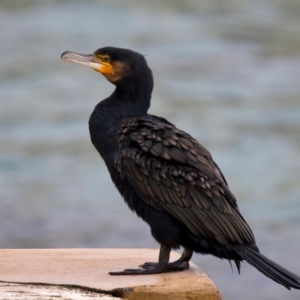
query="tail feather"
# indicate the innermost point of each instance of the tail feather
(270, 268)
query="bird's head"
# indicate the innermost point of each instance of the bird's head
(116, 64)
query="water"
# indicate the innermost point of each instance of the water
(227, 72)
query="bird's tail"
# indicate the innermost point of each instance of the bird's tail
(270, 268)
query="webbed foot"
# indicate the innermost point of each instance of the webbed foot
(155, 270)
(160, 267)
(178, 265)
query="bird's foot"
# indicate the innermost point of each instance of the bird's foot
(154, 270)
(178, 265)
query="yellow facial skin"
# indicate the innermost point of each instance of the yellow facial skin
(99, 63)
(105, 65)
(113, 71)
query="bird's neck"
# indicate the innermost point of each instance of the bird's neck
(127, 100)
(133, 98)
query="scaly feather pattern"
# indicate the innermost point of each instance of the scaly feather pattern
(173, 173)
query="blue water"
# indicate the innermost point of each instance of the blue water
(227, 72)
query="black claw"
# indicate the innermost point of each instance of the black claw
(125, 272)
(138, 271)
(149, 265)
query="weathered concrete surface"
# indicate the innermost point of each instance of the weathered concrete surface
(10, 291)
(88, 268)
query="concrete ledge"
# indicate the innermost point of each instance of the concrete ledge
(11, 291)
(87, 270)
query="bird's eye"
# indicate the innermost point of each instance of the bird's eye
(105, 58)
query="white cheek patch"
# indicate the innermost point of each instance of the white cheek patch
(95, 66)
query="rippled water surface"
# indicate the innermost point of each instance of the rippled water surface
(228, 72)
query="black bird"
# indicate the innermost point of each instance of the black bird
(165, 176)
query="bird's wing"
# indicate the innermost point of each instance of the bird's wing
(172, 172)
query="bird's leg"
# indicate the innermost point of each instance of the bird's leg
(179, 265)
(183, 262)
(160, 267)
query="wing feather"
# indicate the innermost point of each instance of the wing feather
(173, 173)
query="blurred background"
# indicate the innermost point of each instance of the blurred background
(226, 71)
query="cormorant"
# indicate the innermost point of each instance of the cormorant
(165, 176)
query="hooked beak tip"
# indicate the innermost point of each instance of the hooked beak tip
(63, 54)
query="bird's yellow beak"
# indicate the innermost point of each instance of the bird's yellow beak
(88, 60)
